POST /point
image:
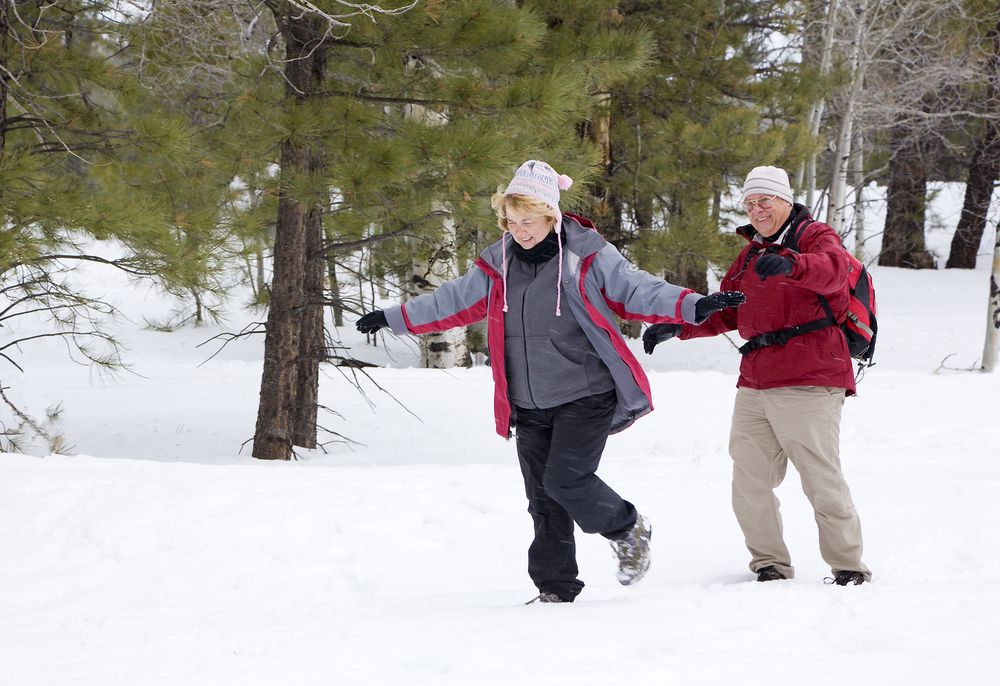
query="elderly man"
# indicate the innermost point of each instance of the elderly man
(795, 373)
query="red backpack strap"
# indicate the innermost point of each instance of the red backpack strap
(791, 239)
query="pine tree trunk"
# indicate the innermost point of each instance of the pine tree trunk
(903, 239)
(275, 413)
(606, 213)
(311, 342)
(688, 276)
(279, 391)
(199, 317)
(642, 212)
(3, 75)
(607, 206)
(992, 343)
(983, 172)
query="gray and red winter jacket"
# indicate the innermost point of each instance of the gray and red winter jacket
(820, 358)
(597, 283)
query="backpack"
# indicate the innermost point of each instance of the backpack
(860, 325)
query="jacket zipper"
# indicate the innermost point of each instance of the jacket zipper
(524, 338)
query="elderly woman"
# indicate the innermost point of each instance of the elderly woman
(564, 377)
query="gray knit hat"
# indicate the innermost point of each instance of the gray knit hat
(768, 181)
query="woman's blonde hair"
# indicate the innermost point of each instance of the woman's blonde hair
(521, 203)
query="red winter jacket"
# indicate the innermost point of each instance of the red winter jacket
(819, 358)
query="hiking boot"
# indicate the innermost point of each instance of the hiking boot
(848, 578)
(633, 552)
(770, 573)
(546, 598)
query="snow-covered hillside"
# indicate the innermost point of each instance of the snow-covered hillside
(160, 555)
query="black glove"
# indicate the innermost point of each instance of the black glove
(717, 301)
(372, 322)
(772, 265)
(657, 333)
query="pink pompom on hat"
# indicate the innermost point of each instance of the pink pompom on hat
(538, 180)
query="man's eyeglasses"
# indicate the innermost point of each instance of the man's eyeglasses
(763, 203)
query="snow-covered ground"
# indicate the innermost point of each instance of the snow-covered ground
(158, 554)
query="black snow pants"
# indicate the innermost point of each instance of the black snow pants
(559, 450)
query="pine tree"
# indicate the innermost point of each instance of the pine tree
(93, 169)
(607, 50)
(379, 175)
(78, 138)
(720, 100)
(193, 59)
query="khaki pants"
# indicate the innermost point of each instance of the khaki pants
(801, 424)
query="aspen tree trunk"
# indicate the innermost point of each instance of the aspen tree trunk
(336, 305)
(279, 391)
(992, 343)
(842, 157)
(858, 170)
(443, 349)
(808, 168)
(261, 278)
(433, 266)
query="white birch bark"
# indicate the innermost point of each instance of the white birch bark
(808, 168)
(432, 267)
(858, 172)
(444, 349)
(992, 343)
(842, 155)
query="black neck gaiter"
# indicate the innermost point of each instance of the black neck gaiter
(546, 249)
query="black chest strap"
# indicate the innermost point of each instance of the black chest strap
(782, 336)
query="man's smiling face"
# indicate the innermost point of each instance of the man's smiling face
(767, 213)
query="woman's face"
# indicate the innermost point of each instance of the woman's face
(526, 228)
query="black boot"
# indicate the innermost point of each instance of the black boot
(848, 578)
(769, 573)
